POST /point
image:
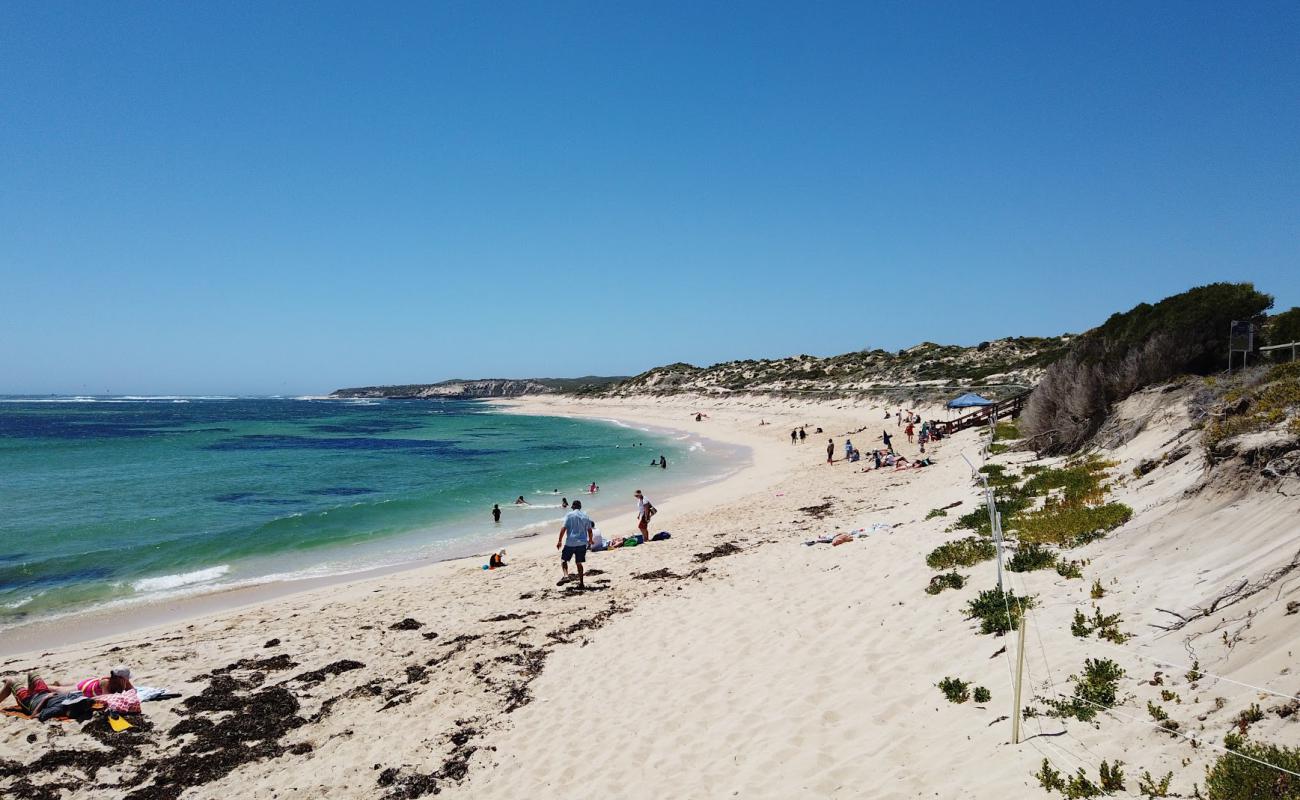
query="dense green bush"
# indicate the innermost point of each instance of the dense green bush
(1233, 778)
(955, 689)
(1098, 685)
(1071, 526)
(961, 553)
(982, 694)
(1030, 557)
(998, 613)
(1147, 344)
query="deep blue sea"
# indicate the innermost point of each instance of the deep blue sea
(114, 500)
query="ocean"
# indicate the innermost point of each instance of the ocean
(116, 500)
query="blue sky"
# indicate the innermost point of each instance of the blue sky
(292, 197)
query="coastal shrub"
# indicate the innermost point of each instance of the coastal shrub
(1106, 626)
(1098, 591)
(1255, 408)
(1281, 329)
(947, 580)
(936, 512)
(955, 689)
(1194, 674)
(1248, 717)
(1185, 333)
(1049, 778)
(1067, 526)
(961, 553)
(1070, 569)
(1030, 557)
(1008, 505)
(1111, 777)
(1079, 481)
(1080, 626)
(982, 694)
(1148, 786)
(998, 612)
(1233, 778)
(1095, 687)
(1006, 430)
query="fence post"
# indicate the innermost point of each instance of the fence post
(1020, 674)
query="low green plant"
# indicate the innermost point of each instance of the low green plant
(1169, 696)
(1070, 525)
(998, 612)
(1261, 406)
(1050, 779)
(1233, 778)
(955, 689)
(936, 512)
(1097, 686)
(1006, 430)
(1194, 674)
(1098, 591)
(947, 580)
(982, 695)
(1150, 787)
(1070, 569)
(1248, 717)
(1157, 713)
(1080, 627)
(1008, 506)
(1112, 777)
(961, 553)
(1030, 557)
(1106, 626)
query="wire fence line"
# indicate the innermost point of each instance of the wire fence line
(1051, 685)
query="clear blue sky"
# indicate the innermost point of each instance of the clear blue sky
(292, 197)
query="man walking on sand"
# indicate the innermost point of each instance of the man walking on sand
(830, 450)
(573, 541)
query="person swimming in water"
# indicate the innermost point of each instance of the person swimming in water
(521, 501)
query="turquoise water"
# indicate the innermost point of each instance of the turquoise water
(122, 499)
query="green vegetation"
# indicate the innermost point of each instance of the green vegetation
(936, 512)
(982, 695)
(1070, 569)
(1068, 526)
(961, 553)
(1194, 674)
(947, 580)
(998, 612)
(1283, 328)
(1079, 786)
(1248, 717)
(1149, 343)
(955, 689)
(1097, 686)
(1106, 626)
(996, 475)
(1079, 481)
(1150, 787)
(1030, 557)
(1098, 591)
(1233, 778)
(1006, 430)
(1255, 408)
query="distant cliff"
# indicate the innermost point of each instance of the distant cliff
(486, 387)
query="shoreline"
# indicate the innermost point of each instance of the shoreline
(124, 617)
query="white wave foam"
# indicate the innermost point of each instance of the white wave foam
(180, 579)
(19, 603)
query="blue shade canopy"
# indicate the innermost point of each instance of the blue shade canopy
(969, 400)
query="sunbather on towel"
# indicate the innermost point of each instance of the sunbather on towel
(118, 680)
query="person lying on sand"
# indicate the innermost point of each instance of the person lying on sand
(118, 680)
(32, 697)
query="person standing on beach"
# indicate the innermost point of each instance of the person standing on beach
(644, 511)
(496, 513)
(794, 436)
(830, 450)
(574, 539)
(803, 434)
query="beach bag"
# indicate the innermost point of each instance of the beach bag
(127, 702)
(660, 536)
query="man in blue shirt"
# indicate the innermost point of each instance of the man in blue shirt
(573, 541)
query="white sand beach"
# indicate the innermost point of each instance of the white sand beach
(729, 661)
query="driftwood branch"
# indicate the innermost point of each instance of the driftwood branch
(1241, 591)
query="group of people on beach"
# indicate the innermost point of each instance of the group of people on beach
(886, 456)
(578, 535)
(42, 700)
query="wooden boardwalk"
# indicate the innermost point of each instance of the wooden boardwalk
(1010, 407)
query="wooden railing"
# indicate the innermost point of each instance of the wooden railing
(1010, 407)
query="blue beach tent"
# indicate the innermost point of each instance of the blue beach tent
(969, 400)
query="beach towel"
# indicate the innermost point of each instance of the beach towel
(147, 693)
